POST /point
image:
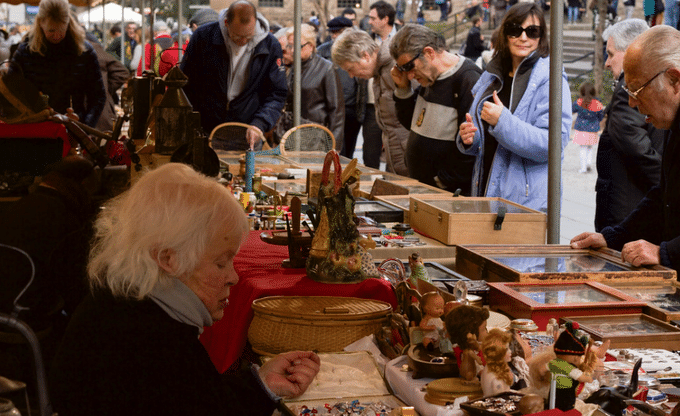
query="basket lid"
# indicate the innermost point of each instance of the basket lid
(321, 307)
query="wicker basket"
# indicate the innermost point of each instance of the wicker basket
(319, 323)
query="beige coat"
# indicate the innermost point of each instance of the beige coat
(394, 135)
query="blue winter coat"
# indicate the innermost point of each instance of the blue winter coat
(519, 170)
(587, 120)
(206, 64)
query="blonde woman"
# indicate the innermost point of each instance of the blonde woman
(58, 60)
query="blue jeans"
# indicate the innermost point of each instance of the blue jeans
(573, 14)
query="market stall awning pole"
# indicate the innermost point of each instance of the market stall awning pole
(179, 31)
(123, 34)
(297, 14)
(555, 119)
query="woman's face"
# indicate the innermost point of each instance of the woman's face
(522, 46)
(215, 273)
(54, 32)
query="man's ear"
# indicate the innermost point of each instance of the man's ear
(674, 75)
(166, 260)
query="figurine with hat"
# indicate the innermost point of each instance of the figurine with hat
(570, 348)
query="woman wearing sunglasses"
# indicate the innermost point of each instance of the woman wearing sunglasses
(507, 126)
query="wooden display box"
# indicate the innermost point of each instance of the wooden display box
(663, 298)
(379, 211)
(542, 301)
(387, 185)
(272, 163)
(477, 221)
(404, 201)
(344, 377)
(551, 264)
(629, 331)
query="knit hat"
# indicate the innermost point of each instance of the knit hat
(203, 16)
(571, 341)
(339, 23)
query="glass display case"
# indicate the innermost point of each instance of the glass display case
(628, 331)
(662, 298)
(542, 301)
(551, 263)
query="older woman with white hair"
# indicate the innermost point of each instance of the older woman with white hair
(57, 59)
(320, 89)
(160, 269)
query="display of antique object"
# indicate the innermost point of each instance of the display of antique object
(175, 120)
(297, 240)
(551, 264)
(662, 297)
(629, 331)
(542, 301)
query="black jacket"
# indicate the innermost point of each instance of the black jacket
(127, 357)
(474, 45)
(628, 160)
(656, 219)
(321, 96)
(66, 77)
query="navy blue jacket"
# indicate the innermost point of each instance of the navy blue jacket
(206, 64)
(68, 79)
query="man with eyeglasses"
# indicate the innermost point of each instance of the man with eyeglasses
(650, 235)
(629, 151)
(434, 111)
(236, 75)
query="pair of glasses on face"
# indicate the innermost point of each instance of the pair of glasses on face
(409, 65)
(514, 31)
(634, 94)
(290, 46)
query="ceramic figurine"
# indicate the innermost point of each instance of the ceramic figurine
(432, 305)
(569, 348)
(466, 326)
(418, 270)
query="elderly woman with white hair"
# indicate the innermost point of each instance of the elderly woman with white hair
(160, 269)
(57, 59)
(320, 89)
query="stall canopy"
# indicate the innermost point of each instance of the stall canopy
(77, 3)
(113, 13)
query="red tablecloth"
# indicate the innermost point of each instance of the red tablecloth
(258, 265)
(44, 130)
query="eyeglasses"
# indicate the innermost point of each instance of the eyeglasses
(514, 31)
(634, 94)
(409, 65)
(290, 46)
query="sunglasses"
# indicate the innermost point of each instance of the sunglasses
(635, 93)
(409, 65)
(514, 31)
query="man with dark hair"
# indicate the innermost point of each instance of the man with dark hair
(129, 45)
(381, 19)
(350, 14)
(435, 110)
(236, 74)
(474, 44)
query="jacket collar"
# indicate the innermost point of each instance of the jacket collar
(520, 78)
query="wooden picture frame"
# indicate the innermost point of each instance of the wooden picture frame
(629, 331)
(542, 301)
(662, 297)
(550, 264)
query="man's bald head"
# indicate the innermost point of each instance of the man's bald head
(241, 10)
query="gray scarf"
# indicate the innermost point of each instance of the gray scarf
(181, 303)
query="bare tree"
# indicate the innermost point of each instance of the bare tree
(323, 10)
(598, 67)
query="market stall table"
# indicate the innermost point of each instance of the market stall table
(258, 266)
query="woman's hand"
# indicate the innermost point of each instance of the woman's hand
(289, 374)
(467, 130)
(400, 78)
(491, 111)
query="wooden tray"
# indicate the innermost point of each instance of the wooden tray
(631, 331)
(542, 301)
(551, 264)
(404, 201)
(663, 298)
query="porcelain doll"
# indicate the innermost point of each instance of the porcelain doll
(432, 305)
(466, 327)
(503, 371)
